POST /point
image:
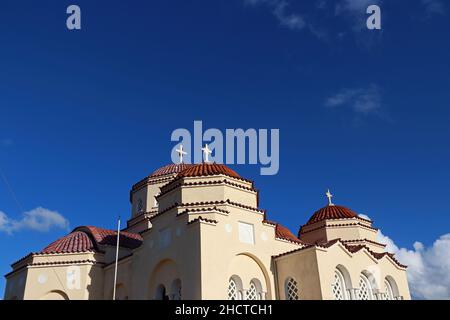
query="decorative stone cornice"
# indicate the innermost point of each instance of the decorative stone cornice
(183, 183)
(364, 240)
(201, 219)
(52, 263)
(334, 225)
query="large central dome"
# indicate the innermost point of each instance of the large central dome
(208, 169)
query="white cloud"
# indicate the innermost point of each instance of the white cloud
(361, 100)
(434, 7)
(364, 216)
(355, 10)
(38, 219)
(355, 6)
(428, 268)
(390, 245)
(293, 21)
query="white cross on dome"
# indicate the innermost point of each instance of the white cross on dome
(329, 196)
(181, 153)
(206, 153)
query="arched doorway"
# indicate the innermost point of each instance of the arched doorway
(55, 295)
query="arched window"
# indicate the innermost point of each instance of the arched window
(235, 288)
(161, 293)
(388, 291)
(252, 293)
(291, 289)
(365, 288)
(391, 291)
(175, 290)
(338, 287)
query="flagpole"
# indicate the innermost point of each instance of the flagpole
(117, 259)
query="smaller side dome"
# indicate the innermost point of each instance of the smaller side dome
(208, 169)
(74, 242)
(331, 212)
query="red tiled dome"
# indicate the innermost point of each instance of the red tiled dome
(170, 169)
(109, 237)
(208, 169)
(332, 212)
(77, 241)
(88, 238)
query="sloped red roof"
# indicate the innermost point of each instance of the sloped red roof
(208, 169)
(281, 232)
(109, 237)
(376, 255)
(88, 238)
(171, 168)
(284, 233)
(331, 212)
(74, 242)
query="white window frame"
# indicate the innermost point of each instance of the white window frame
(238, 291)
(339, 279)
(291, 289)
(364, 281)
(388, 290)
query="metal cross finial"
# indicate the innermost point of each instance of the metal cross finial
(206, 152)
(329, 196)
(181, 153)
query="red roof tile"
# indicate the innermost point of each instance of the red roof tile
(77, 241)
(170, 169)
(331, 212)
(85, 239)
(208, 169)
(282, 232)
(109, 237)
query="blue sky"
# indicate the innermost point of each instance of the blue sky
(85, 114)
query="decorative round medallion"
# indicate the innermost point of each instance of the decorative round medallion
(228, 228)
(42, 278)
(264, 236)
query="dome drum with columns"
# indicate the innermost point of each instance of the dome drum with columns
(196, 232)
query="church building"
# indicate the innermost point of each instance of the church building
(196, 231)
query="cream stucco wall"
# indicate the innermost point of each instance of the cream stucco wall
(314, 268)
(193, 244)
(65, 276)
